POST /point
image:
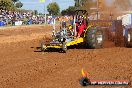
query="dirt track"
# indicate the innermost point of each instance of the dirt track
(23, 66)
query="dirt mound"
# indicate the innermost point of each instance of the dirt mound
(23, 66)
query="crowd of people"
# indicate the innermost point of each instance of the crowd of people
(14, 18)
(20, 18)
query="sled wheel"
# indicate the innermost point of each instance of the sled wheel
(43, 47)
(64, 47)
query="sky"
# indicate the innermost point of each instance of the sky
(36, 5)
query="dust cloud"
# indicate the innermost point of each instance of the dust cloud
(114, 7)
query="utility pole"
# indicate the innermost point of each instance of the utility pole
(97, 9)
(77, 4)
(45, 13)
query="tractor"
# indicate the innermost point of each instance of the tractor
(90, 37)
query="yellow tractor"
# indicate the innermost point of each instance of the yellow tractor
(91, 36)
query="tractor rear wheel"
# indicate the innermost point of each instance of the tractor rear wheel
(94, 38)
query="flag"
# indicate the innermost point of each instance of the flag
(41, 1)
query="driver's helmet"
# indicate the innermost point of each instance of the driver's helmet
(84, 17)
(80, 20)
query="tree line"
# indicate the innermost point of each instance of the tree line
(54, 9)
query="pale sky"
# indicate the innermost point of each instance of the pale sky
(36, 5)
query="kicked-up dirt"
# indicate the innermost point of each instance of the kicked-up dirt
(22, 65)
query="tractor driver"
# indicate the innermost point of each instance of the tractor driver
(82, 26)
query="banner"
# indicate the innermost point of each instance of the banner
(18, 23)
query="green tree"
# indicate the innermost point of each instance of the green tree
(64, 12)
(53, 8)
(6, 4)
(69, 11)
(14, 1)
(40, 14)
(19, 4)
(79, 3)
(35, 12)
